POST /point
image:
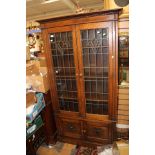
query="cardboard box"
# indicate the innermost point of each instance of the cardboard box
(120, 148)
(40, 82)
(30, 99)
(41, 62)
(31, 69)
(27, 53)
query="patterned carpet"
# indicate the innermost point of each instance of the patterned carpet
(86, 151)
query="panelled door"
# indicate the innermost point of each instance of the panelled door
(64, 62)
(95, 68)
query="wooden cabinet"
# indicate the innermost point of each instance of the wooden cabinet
(82, 64)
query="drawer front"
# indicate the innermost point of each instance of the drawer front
(70, 128)
(99, 132)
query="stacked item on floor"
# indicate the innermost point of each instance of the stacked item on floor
(120, 147)
(35, 134)
(37, 96)
(34, 108)
(36, 75)
(37, 84)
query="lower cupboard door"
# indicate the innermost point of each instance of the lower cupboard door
(70, 128)
(98, 132)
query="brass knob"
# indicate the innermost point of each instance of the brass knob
(80, 74)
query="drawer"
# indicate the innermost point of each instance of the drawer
(70, 128)
(99, 132)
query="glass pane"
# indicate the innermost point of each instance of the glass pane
(64, 67)
(95, 50)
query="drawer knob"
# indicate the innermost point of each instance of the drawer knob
(97, 131)
(71, 127)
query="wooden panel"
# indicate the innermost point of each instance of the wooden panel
(123, 112)
(124, 30)
(71, 128)
(124, 107)
(99, 132)
(123, 122)
(124, 24)
(86, 18)
(123, 91)
(125, 102)
(123, 96)
(121, 117)
(97, 117)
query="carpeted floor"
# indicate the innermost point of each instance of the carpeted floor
(58, 149)
(65, 149)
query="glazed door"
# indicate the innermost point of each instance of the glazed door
(95, 69)
(64, 68)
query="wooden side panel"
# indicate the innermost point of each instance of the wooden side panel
(50, 70)
(49, 120)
